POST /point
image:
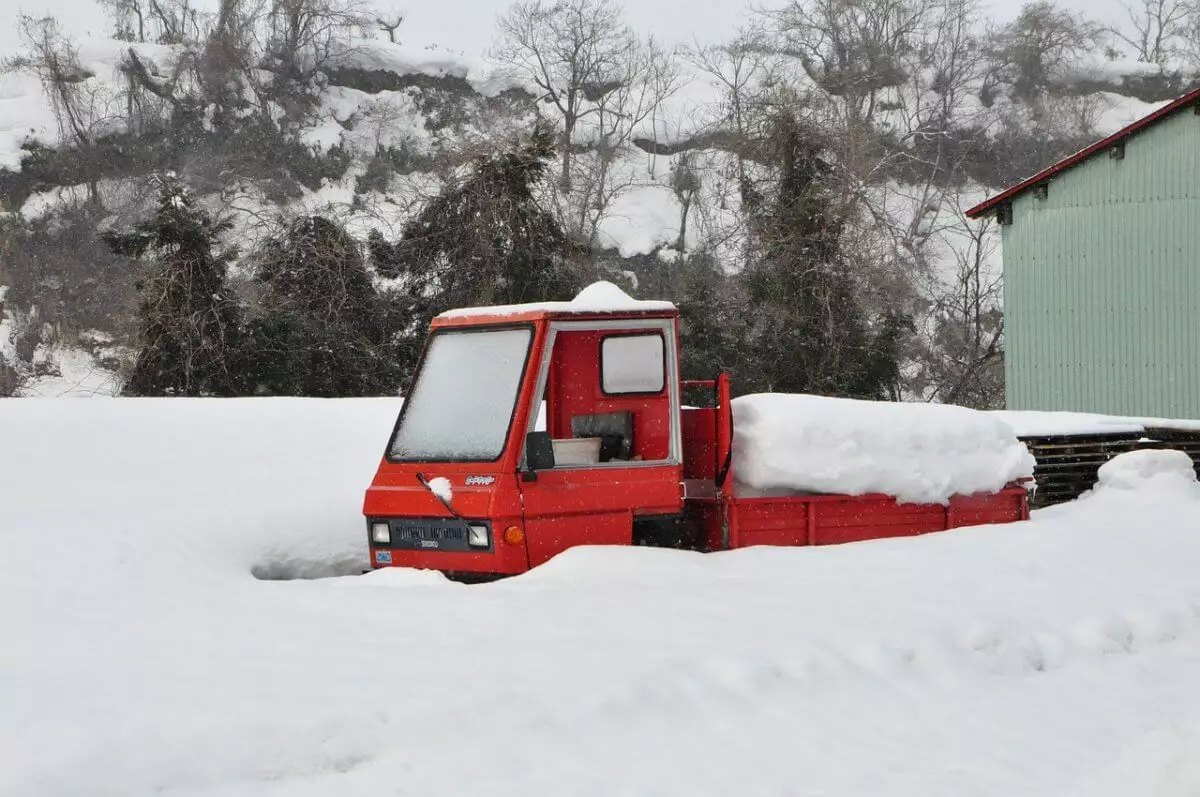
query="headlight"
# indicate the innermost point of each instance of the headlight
(477, 536)
(381, 533)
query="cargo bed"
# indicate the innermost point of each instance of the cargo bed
(728, 515)
(834, 519)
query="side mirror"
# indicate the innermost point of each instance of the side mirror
(539, 451)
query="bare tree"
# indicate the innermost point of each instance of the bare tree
(961, 353)
(742, 72)
(893, 83)
(82, 108)
(893, 78)
(389, 24)
(177, 21)
(304, 35)
(1030, 53)
(1189, 51)
(575, 51)
(229, 59)
(1156, 29)
(129, 16)
(265, 49)
(855, 51)
(686, 184)
(651, 77)
(727, 139)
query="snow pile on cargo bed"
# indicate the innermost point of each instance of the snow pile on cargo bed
(921, 453)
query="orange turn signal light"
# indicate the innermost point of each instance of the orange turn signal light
(513, 535)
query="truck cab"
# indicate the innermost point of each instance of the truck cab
(529, 429)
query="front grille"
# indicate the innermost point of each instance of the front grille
(421, 532)
(433, 534)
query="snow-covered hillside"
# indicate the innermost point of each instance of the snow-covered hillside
(664, 157)
(142, 655)
(399, 98)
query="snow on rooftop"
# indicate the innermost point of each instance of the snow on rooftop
(377, 55)
(1033, 423)
(1117, 112)
(599, 297)
(917, 452)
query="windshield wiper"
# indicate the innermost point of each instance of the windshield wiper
(425, 483)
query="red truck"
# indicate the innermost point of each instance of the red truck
(530, 429)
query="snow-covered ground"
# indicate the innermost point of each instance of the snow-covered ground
(141, 655)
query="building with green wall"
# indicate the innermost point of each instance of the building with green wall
(1102, 274)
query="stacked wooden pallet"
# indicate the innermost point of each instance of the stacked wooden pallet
(1067, 465)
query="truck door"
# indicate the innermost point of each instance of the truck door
(612, 412)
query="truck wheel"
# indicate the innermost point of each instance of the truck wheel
(666, 532)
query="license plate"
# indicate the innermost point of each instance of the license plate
(383, 557)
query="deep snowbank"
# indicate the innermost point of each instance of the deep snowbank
(141, 656)
(1151, 474)
(270, 483)
(918, 452)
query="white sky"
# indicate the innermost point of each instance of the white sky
(468, 25)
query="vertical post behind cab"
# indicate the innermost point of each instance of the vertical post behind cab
(725, 508)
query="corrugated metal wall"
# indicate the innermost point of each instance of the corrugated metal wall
(1102, 282)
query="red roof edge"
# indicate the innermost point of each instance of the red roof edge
(1187, 100)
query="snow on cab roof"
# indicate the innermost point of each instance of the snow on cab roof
(599, 297)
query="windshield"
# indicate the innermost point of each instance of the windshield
(461, 403)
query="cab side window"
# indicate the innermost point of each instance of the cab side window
(633, 364)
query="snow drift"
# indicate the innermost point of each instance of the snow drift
(1153, 474)
(920, 453)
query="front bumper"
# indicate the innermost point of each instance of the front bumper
(442, 544)
(433, 534)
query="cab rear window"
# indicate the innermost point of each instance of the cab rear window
(633, 364)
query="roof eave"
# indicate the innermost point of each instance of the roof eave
(1191, 99)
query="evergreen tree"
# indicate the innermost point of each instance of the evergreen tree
(486, 240)
(810, 333)
(189, 319)
(325, 330)
(712, 320)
